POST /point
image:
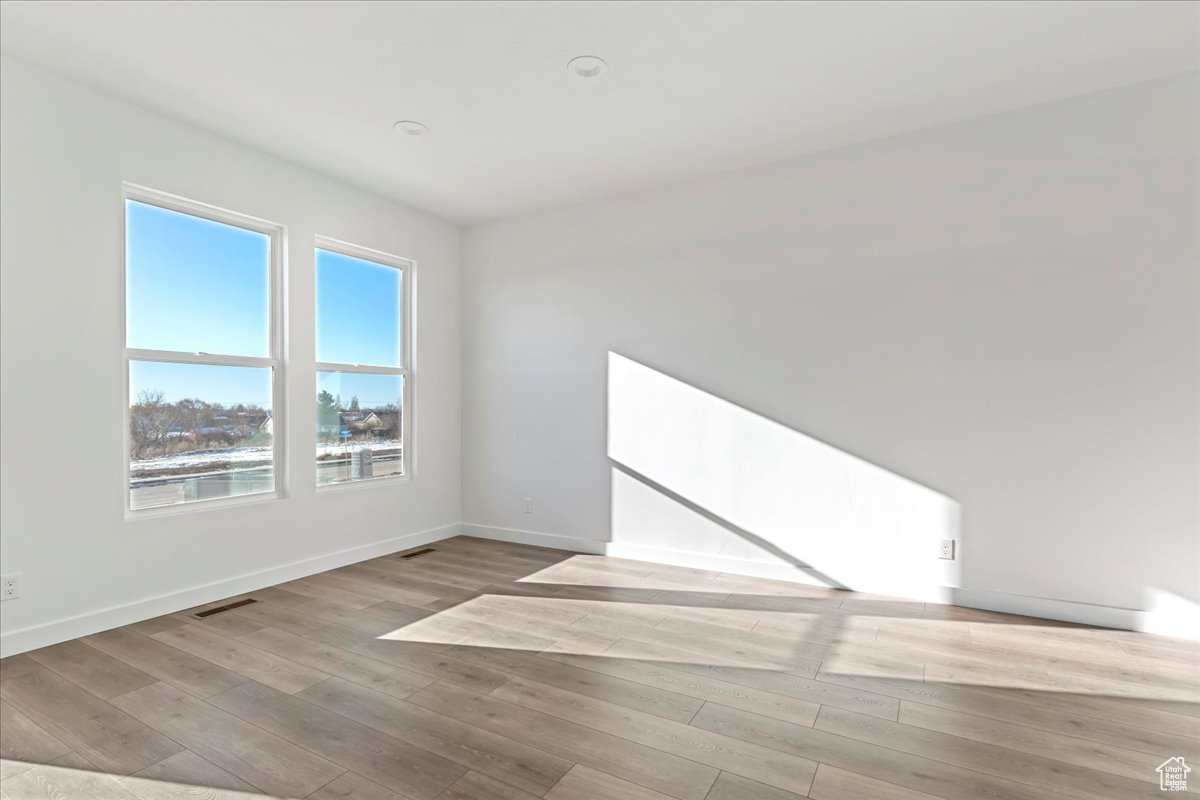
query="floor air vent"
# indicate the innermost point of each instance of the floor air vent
(418, 553)
(227, 607)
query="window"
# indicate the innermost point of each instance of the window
(202, 344)
(363, 377)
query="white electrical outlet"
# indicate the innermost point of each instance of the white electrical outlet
(10, 586)
(528, 505)
(946, 551)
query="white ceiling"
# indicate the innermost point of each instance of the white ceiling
(693, 88)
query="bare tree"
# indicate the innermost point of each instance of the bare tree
(151, 419)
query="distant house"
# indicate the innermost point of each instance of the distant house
(252, 419)
(230, 426)
(371, 424)
(358, 425)
(389, 425)
(368, 422)
(353, 419)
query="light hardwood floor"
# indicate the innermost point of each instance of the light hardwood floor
(486, 670)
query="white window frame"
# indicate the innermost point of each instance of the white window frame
(408, 269)
(274, 360)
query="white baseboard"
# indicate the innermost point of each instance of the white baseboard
(1169, 616)
(18, 641)
(551, 540)
(48, 633)
(1049, 608)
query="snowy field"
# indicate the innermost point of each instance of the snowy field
(247, 455)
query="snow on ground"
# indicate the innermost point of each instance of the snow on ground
(245, 455)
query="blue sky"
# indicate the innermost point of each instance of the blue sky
(193, 285)
(199, 286)
(358, 311)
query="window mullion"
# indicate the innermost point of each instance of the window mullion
(176, 357)
(360, 369)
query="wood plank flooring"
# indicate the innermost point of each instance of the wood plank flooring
(493, 671)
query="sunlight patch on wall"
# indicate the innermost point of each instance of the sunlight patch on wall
(703, 478)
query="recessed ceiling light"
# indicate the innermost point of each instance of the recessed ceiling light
(587, 66)
(409, 127)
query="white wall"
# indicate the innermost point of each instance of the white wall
(65, 152)
(1004, 312)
